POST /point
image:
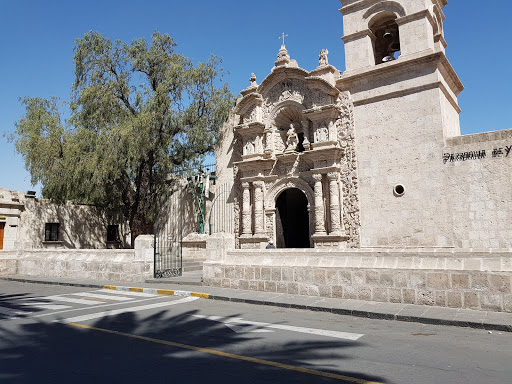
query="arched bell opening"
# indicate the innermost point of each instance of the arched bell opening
(292, 219)
(386, 45)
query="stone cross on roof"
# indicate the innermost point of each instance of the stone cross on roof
(282, 37)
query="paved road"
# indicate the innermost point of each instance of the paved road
(52, 334)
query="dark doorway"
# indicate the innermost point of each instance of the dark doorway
(292, 220)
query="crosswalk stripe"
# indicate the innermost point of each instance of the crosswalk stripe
(73, 300)
(126, 310)
(127, 293)
(104, 297)
(46, 306)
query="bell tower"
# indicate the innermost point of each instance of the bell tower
(404, 92)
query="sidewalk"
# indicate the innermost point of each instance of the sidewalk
(190, 283)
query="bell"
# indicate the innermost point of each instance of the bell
(387, 34)
(394, 47)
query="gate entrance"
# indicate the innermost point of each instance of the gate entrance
(292, 220)
(168, 236)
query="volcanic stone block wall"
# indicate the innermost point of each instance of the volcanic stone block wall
(446, 278)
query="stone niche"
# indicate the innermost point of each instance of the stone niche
(295, 182)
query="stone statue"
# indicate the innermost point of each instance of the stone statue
(322, 58)
(253, 81)
(292, 140)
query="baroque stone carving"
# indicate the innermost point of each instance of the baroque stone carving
(292, 140)
(322, 133)
(293, 89)
(348, 176)
(322, 58)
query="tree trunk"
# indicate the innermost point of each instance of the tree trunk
(140, 222)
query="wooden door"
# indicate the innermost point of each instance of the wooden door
(2, 225)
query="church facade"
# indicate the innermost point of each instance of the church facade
(373, 156)
(361, 179)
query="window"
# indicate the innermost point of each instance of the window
(51, 232)
(113, 233)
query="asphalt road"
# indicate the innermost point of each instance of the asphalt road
(52, 334)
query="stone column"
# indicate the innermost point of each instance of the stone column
(246, 210)
(269, 223)
(259, 225)
(334, 206)
(319, 205)
(269, 140)
(305, 128)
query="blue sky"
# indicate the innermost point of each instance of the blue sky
(37, 39)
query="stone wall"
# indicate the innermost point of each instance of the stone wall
(109, 265)
(8, 263)
(80, 226)
(473, 279)
(478, 189)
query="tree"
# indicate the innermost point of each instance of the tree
(137, 111)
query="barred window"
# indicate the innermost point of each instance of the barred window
(51, 232)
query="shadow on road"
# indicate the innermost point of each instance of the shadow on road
(40, 352)
(19, 305)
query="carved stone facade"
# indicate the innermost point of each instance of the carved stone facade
(295, 131)
(371, 158)
(378, 146)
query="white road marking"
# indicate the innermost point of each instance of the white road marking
(102, 305)
(247, 329)
(230, 321)
(104, 297)
(126, 293)
(39, 305)
(73, 300)
(96, 315)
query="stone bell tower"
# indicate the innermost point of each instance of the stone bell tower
(404, 92)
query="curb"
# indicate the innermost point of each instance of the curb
(46, 282)
(153, 291)
(375, 315)
(335, 311)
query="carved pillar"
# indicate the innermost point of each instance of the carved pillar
(259, 224)
(269, 140)
(319, 205)
(269, 223)
(334, 206)
(305, 128)
(246, 210)
(332, 131)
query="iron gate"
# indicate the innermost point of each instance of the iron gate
(168, 237)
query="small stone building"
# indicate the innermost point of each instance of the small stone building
(27, 222)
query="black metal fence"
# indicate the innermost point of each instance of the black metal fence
(168, 237)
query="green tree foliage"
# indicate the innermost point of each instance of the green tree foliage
(138, 110)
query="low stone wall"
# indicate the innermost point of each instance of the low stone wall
(474, 279)
(8, 263)
(194, 246)
(133, 265)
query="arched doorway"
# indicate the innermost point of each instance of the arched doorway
(292, 219)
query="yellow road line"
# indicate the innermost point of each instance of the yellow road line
(230, 355)
(136, 289)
